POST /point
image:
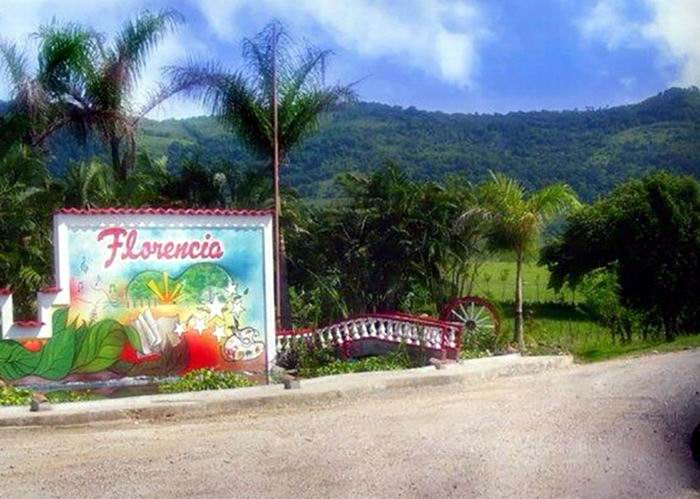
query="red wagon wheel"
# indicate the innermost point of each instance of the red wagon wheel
(479, 317)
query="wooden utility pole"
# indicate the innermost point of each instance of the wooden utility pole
(276, 174)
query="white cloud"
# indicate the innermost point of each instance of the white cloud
(20, 18)
(628, 82)
(606, 20)
(672, 25)
(676, 26)
(172, 50)
(439, 37)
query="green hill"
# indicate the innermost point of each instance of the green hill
(592, 150)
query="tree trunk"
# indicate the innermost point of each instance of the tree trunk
(518, 335)
(129, 159)
(276, 187)
(117, 167)
(286, 311)
(670, 329)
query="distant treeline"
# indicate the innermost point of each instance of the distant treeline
(590, 150)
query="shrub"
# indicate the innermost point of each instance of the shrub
(322, 362)
(205, 379)
(10, 395)
(21, 396)
(479, 340)
(60, 397)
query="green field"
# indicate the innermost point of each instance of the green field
(558, 322)
(496, 279)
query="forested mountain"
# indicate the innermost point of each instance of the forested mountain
(592, 150)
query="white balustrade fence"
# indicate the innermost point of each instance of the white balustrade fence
(417, 332)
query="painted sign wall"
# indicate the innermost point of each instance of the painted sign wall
(148, 292)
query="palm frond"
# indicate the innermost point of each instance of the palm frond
(301, 116)
(268, 55)
(162, 93)
(473, 217)
(516, 218)
(27, 94)
(502, 191)
(88, 185)
(14, 63)
(243, 100)
(137, 38)
(229, 96)
(66, 55)
(552, 200)
(309, 73)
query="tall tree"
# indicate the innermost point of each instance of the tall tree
(272, 104)
(514, 220)
(27, 197)
(648, 232)
(30, 115)
(95, 81)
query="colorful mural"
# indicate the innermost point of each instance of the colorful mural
(154, 295)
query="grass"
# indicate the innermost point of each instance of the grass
(559, 323)
(205, 379)
(497, 280)
(639, 347)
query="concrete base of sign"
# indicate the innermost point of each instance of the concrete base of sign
(291, 384)
(318, 390)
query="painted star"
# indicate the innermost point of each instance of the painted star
(199, 325)
(232, 289)
(219, 332)
(179, 329)
(216, 309)
(237, 308)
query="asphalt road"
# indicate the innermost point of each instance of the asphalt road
(614, 429)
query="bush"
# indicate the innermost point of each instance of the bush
(60, 397)
(322, 362)
(479, 341)
(21, 396)
(391, 245)
(10, 395)
(205, 379)
(340, 366)
(305, 355)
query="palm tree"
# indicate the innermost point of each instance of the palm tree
(94, 81)
(514, 220)
(272, 104)
(30, 116)
(87, 185)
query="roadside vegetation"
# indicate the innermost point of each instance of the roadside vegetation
(308, 362)
(10, 395)
(205, 379)
(618, 276)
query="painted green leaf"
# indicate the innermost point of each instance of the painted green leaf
(16, 361)
(79, 332)
(56, 358)
(59, 319)
(133, 337)
(101, 346)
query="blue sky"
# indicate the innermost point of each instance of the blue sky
(456, 56)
